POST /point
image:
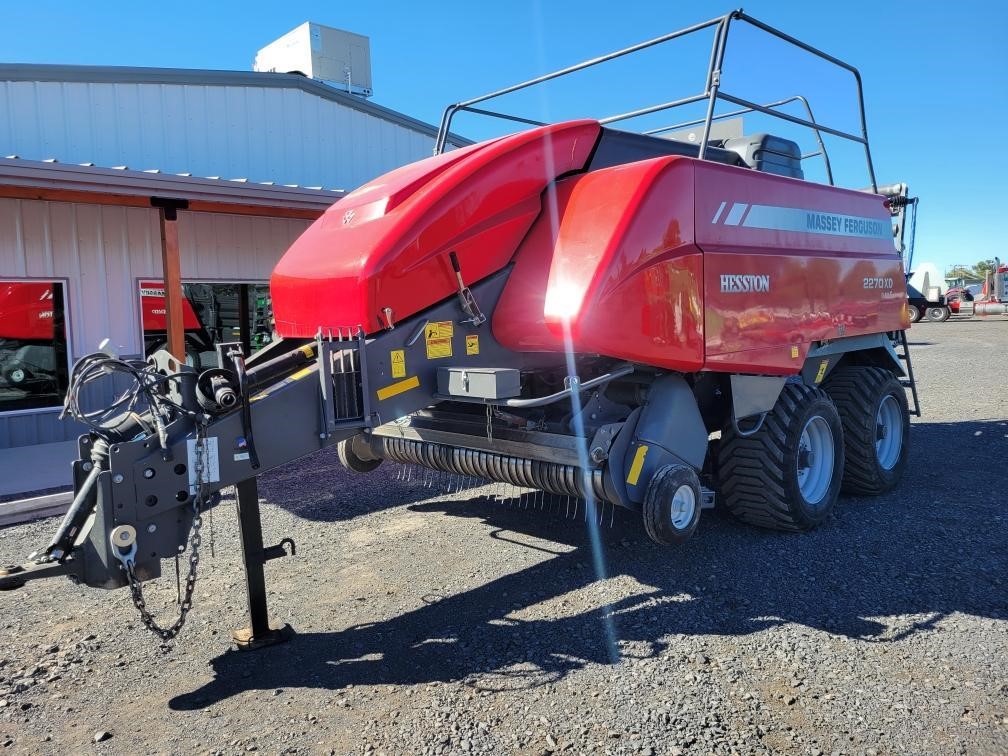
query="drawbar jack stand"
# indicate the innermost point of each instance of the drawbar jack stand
(260, 632)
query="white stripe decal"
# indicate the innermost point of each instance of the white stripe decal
(815, 222)
(735, 214)
(718, 213)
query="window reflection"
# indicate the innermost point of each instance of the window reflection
(33, 348)
(213, 313)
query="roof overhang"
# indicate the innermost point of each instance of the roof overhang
(61, 182)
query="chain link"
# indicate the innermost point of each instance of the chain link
(195, 540)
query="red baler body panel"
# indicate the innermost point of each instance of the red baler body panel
(386, 245)
(613, 261)
(671, 261)
(828, 255)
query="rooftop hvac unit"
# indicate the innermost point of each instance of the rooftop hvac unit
(340, 58)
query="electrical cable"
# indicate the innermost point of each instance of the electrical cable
(144, 391)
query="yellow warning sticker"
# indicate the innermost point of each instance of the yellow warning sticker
(638, 464)
(822, 371)
(398, 363)
(439, 339)
(472, 344)
(794, 353)
(397, 388)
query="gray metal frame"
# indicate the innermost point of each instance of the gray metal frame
(712, 90)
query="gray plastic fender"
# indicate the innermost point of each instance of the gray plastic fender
(874, 349)
(667, 429)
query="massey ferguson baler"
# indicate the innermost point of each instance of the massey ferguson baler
(608, 316)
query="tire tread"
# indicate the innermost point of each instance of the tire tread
(752, 469)
(855, 389)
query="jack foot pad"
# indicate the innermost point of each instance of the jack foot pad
(278, 633)
(10, 578)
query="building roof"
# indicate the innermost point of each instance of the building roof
(33, 179)
(205, 77)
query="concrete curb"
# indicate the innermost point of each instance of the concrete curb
(26, 510)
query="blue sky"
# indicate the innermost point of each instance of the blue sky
(935, 74)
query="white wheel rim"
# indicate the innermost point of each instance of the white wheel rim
(17, 375)
(888, 432)
(683, 507)
(816, 455)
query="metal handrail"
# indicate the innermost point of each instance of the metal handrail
(452, 109)
(711, 91)
(742, 111)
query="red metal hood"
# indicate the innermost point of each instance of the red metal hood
(386, 245)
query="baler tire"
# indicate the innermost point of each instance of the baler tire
(668, 519)
(859, 392)
(915, 313)
(758, 474)
(351, 460)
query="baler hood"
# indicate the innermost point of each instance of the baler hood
(380, 254)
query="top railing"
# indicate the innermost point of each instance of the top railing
(712, 92)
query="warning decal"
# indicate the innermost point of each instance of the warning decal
(472, 344)
(398, 363)
(637, 465)
(439, 339)
(822, 371)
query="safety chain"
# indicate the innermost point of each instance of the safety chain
(195, 539)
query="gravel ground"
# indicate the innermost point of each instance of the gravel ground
(474, 623)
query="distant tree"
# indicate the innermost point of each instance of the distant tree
(982, 268)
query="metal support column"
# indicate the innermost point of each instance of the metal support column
(260, 632)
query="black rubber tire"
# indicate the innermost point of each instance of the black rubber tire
(657, 509)
(351, 460)
(938, 314)
(758, 474)
(915, 313)
(858, 393)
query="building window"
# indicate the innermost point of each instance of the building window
(33, 346)
(213, 313)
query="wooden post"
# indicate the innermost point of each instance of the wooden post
(171, 266)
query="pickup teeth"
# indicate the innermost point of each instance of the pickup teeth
(473, 465)
(571, 506)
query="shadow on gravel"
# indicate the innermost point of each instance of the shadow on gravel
(318, 488)
(879, 571)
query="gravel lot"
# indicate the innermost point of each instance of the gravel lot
(434, 624)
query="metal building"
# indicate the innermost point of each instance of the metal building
(243, 161)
